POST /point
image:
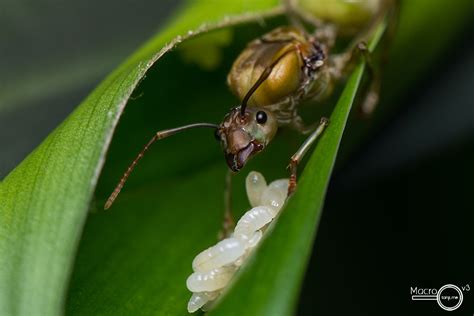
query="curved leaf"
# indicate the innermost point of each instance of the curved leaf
(281, 259)
(44, 201)
(159, 227)
(134, 259)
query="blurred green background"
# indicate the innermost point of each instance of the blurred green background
(404, 193)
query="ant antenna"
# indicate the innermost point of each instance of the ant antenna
(159, 135)
(266, 72)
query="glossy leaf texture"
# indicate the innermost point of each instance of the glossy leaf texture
(45, 200)
(270, 283)
(134, 258)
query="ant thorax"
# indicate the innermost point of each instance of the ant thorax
(293, 64)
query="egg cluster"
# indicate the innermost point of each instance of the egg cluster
(214, 267)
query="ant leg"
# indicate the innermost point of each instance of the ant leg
(228, 223)
(298, 156)
(371, 97)
(298, 125)
(345, 62)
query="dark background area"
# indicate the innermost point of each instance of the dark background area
(54, 53)
(399, 213)
(399, 210)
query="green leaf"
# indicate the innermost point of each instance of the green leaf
(44, 201)
(270, 283)
(134, 258)
(156, 223)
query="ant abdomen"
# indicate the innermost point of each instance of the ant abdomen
(281, 57)
(349, 17)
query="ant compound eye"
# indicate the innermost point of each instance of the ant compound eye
(261, 117)
(217, 135)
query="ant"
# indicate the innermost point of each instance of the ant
(273, 75)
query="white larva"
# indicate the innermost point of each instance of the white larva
(209, 281)
(199, 299)
(215, 266)
(254, 240)
(224, 252)
(251, 243)
(252, 221)
(274, 196)
(255, 184)
(281, 185)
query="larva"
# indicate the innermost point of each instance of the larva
(214, 267)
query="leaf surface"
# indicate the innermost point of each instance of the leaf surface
(134, 259)
(44, 201)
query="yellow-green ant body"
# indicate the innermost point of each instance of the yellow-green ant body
(276, 72)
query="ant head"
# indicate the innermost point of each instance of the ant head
(245, 133)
